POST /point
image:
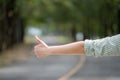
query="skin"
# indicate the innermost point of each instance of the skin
(43, 50)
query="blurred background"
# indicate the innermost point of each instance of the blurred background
(56, 22)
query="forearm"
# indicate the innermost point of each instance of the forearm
(76, 48)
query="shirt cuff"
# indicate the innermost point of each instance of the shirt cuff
(88, 47)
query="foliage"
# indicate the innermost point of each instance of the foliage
(92, 17)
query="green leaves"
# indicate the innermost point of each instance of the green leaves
(88, 15)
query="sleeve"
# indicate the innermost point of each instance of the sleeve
(109, 46)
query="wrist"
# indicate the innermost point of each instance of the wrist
(53, 50)
(50, 50)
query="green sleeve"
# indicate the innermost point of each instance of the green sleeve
(109, 46)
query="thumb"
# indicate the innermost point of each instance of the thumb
(39, 41)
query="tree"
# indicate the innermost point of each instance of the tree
(92, 17)
(11, 28)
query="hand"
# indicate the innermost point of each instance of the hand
(41, 50)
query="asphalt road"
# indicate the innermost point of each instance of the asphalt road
(53, 67)
(50, 68)
(100, 68)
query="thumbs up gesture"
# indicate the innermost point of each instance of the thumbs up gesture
(41, 49)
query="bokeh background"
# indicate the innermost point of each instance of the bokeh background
(56, 22)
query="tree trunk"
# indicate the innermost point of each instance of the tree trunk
(19, 30)
(118, 21)
(11, 25)
(11, 21)
(73, 32)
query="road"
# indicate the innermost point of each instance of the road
(53, 67)
(100, 68)
(50, 68)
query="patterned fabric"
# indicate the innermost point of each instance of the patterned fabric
(109, 46)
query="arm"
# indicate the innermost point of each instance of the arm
(109, 46)
(76, 48)
(42, 50)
